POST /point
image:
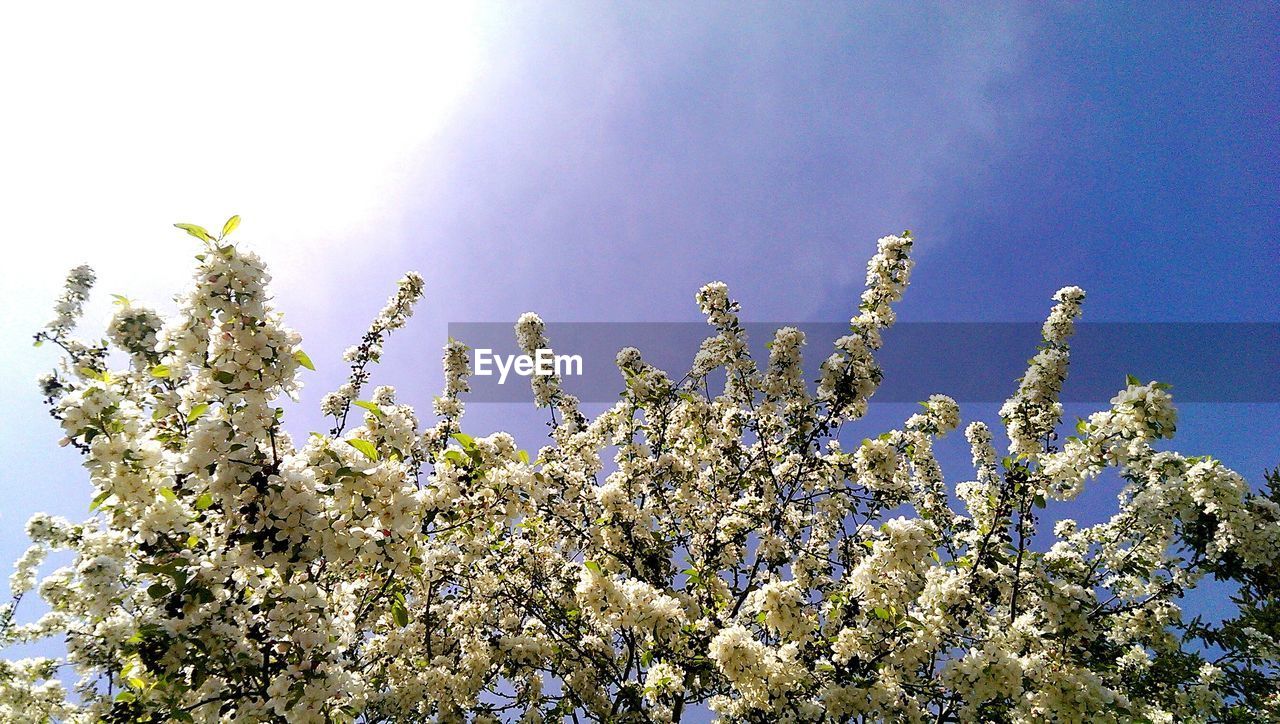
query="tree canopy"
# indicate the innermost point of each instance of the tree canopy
(711, 541)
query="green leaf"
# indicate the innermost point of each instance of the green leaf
(168, 494)
(303, 359)
(157, 590)
(365, 447)
(224, 377)
(125, 696)
(455, 457)
(593, 567)
(93, 374)
(524, 456)
(466, 440)
(196, 231)
(197, 411)
(204, 502)
(881, 613)
(99, 500)
(399, 613)
(160, 371)
(1132, 381)
(1039, 501)
(230, 226)
(377, 411)
(120, 299)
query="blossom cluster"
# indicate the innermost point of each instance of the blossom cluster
(722, 541)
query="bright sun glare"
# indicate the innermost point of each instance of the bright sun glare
(303, 118)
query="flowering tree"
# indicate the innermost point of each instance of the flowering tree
(696, 545)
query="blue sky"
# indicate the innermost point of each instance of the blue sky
(599, 162)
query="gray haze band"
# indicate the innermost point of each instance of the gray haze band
(972, 362)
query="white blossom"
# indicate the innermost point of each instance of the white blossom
(697, 545)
